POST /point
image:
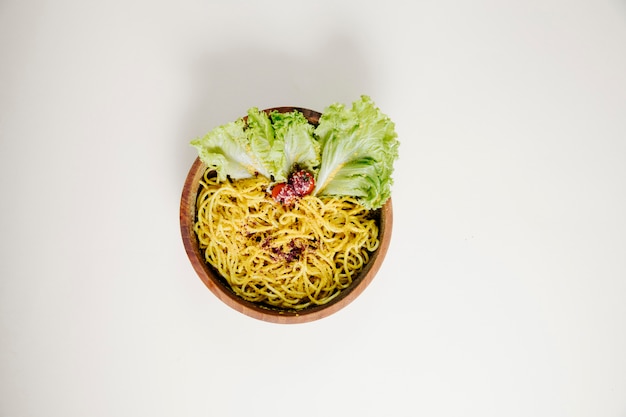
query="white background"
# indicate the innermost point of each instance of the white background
(504, 289)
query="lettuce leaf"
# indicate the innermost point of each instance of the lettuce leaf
(300, 147)
(359, 146)
(228, 150)
(263, 142)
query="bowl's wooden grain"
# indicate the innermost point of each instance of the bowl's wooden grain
(220, 288)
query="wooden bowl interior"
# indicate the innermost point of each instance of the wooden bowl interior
(218, 285)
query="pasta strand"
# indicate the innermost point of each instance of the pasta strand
(284, 257)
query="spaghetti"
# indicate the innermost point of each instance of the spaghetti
(289, 258)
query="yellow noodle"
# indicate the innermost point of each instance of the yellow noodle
(284, 257)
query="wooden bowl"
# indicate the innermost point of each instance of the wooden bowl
(218, 285)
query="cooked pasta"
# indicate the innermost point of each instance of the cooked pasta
(289, 258)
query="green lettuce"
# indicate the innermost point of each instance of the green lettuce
(263, 142)
(228, 150)
(300, 148)
(359, 146)
(351, 152)
(266, 144)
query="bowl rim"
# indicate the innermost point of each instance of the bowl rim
(221, 290)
